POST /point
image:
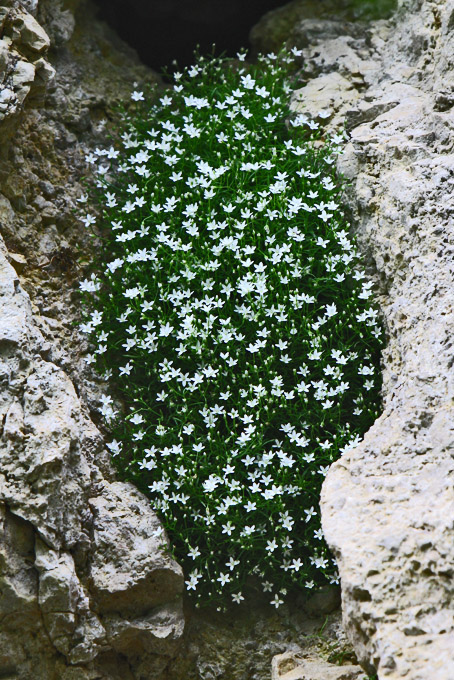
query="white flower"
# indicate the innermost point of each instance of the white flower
(132, 292)
(194, 577)
(319, 562)
(297, 564)
(125, 370)
(88, 220)
(90, 285)
(165, 330)
(248, 82)
(194, 552)
(248, 530)
(232, 563)
(197, 102)
(210, 484)
(262, 92)
(310, 513)
(223, 579)
(137, 96)
(271, 545)
(114, 447)
(190, 209)
(276, 601)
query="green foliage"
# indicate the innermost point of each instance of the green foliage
(372, 9)
(230, 309)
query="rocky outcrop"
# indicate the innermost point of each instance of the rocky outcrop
(87, 588)
(291, 666)
(388, 505)
(24, 71)
(85, 591)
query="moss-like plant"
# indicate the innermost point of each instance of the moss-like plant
(230, 309)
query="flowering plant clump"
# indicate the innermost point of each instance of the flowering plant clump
(229, 306)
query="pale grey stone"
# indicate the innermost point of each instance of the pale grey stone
(129, 572)
(387, 505)
(31, 6)
(294, 666)
(32, 35)
(24, 70)
(47, 479)
(330, 92)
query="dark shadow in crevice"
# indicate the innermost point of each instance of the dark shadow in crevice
(163, 31)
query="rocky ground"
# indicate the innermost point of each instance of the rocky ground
(387, 506)
(85, 591)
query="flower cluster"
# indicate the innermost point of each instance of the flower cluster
(230, 308)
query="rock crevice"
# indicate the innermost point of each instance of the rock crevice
(387, 505)
(86, 588)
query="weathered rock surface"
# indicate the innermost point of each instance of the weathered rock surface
(86, 591)
(86, 571)
(388, 505)
(25, 73)
(294, 666)
(242, 642)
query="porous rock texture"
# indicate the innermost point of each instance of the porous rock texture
(86, 589)
(294, 666)
(388, 505)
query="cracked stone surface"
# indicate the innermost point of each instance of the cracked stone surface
(86, 590)
(291, 666)
(388, 505)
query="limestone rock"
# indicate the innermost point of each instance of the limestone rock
(24, 70)
(387, 505)
(30, 34)
(45, 461)
(85, 589)
(291, 666)
(129, 571)
(18, 261)
(331, 93)
(159, 630)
